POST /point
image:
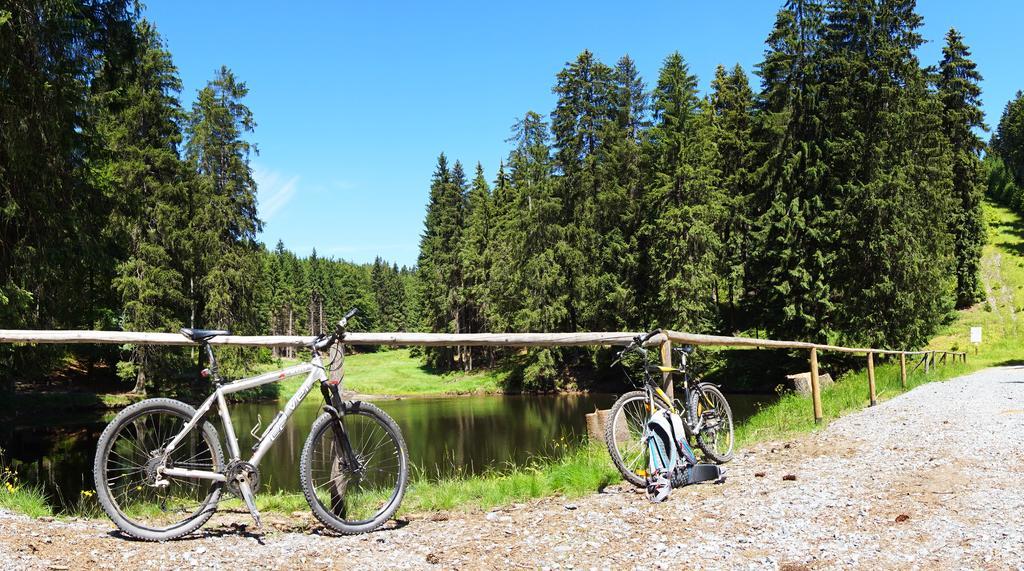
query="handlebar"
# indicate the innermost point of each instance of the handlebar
(636, 345)
(640, 340)
(344, 320)
(324, 341)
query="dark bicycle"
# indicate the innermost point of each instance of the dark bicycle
(706, 415)
(160, 469)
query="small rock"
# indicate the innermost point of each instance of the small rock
(759, 474)
(433, 559)
(789, 477)
(902, 518)
(570, 506)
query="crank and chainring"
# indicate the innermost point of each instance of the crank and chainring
(238, 471)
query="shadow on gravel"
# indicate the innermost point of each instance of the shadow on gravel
(239, 530)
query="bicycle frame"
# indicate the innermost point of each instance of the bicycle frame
(317, 373)
(655, 394)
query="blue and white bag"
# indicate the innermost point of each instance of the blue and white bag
(672, 462)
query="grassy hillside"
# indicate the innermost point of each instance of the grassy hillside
(1002, 273)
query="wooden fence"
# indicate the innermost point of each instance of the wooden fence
(664, 340)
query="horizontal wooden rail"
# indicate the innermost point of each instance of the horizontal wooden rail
(420, 339)
(431, 339)
(664, 340)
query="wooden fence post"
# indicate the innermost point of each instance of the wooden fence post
(903, 370)
(871, 377)
(815, 387)
(926, 363)
(666, 360)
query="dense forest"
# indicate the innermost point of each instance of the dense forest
(1005, 158)
(839, 202)
(120, 208)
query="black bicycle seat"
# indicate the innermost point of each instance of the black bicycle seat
(201, 335)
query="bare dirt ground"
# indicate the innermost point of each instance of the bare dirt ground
(928, 480)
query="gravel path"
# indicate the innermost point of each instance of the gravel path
(928, 480)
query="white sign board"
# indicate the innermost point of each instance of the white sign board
(975, 335)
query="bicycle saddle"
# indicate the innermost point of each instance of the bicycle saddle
(201, 335)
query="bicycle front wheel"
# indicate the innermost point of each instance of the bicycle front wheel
(128, 485)
(716, 436)
(624, 435)
(361, 497)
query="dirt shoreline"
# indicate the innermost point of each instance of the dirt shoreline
(890, 487)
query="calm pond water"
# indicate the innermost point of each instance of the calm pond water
(446, 436)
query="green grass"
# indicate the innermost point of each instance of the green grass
(397, 372)
(582, 471)
(17, 497)
(577, 473)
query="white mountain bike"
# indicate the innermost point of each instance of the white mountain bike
(160, 469)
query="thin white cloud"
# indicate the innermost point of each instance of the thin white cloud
(274, 190)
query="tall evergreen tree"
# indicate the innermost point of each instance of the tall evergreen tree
(890, 170)
(389, 294)
(477, 251)
(732, 102)
(617, 217)
(222, 207)
(578, 123)
(789, 267)
(140, 170)
(961, 101)
(55, 270)
(1008, 145)
(686, 201)
(528, 285)
(438, 267)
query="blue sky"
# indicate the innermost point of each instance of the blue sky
(354, 100)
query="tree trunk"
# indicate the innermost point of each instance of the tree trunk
(140, 375)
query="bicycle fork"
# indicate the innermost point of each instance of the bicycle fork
(336, 408)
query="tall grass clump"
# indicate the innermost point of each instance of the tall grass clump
(16, 496)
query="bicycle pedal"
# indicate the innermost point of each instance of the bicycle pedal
(250, 502)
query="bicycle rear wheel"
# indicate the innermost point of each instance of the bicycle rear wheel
(355, 499)
(130, 451)
(716, 437)
(624, 435)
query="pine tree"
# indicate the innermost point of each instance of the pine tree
(1008, 145)
(890, 172)
(316, 293)
(389, 295)
(961, 101)
(617, 209)
(476, 256)
(528, 285)
(732, 102)
(788, 269)
(685, 200)
(141, 172)
(281, 293)
(224, 253)
(578, 123)
(438, 267)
